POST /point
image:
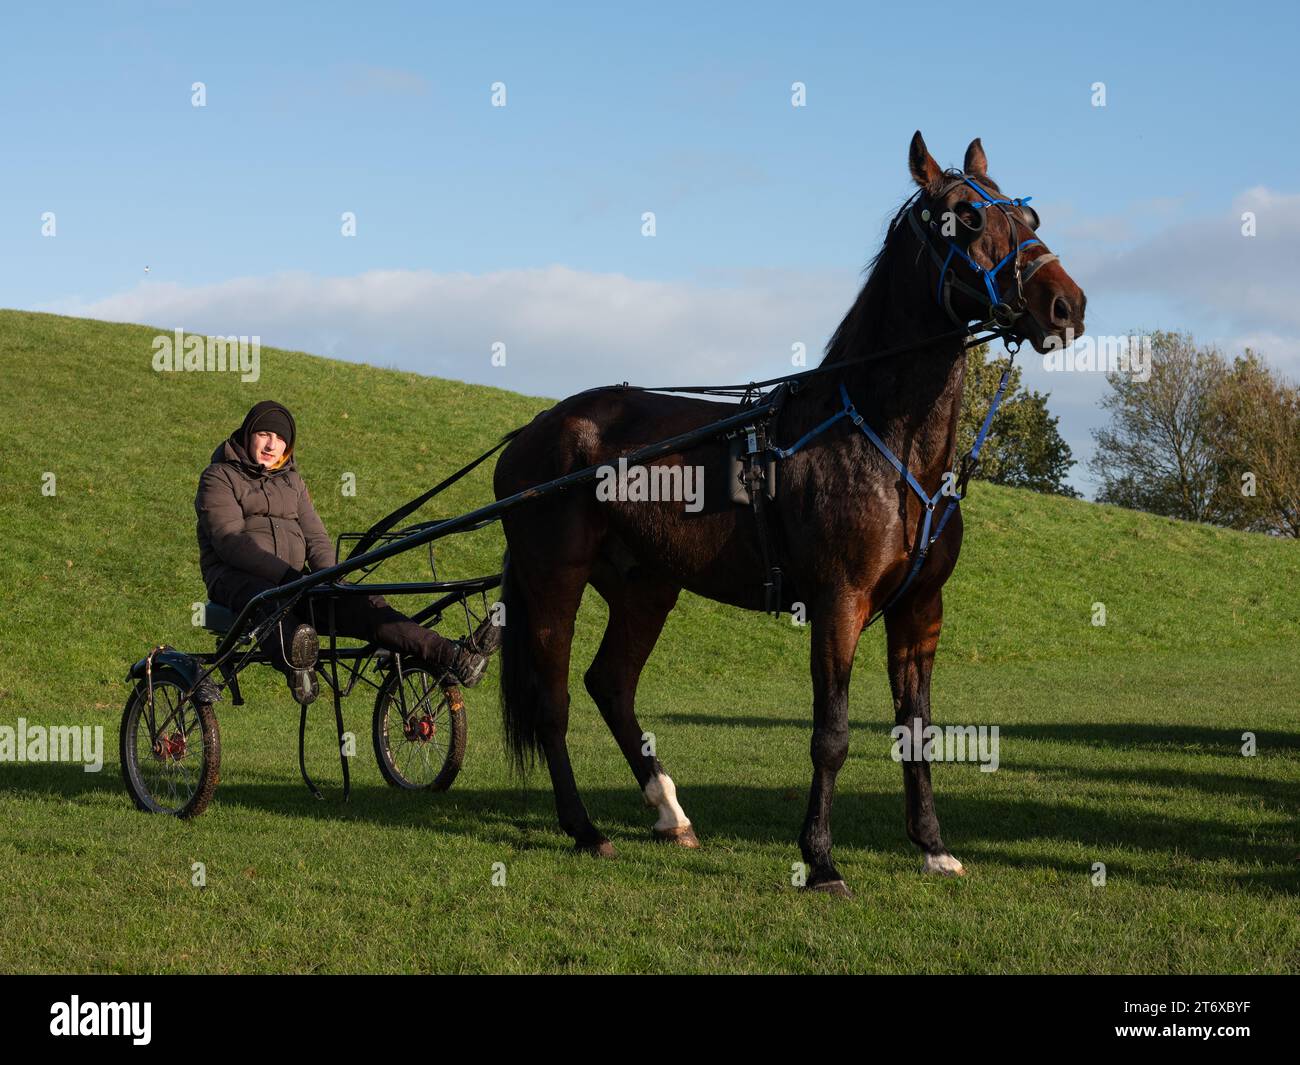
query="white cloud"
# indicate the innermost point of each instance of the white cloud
(1207, 269)
(1281, 351)
(564, 330)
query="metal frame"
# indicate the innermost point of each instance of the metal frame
(356, 661)
(230, 658)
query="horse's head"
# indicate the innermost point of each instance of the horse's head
(986, 259)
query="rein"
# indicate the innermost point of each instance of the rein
(1001, 314)
(989, 326)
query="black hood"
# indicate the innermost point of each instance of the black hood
(237, 446)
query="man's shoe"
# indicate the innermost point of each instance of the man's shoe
(303, 649)
(304, 646)
(469, 667)
(303, 685)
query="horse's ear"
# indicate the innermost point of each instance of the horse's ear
(925, 171)
(976, 161)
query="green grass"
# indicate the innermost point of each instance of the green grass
(1120, 744)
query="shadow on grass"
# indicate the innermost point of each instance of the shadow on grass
(1284, 794)
(1112, 735)
(984, 830)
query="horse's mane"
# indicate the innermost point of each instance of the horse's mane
(864, 319)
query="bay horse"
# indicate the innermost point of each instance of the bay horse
(846, 520)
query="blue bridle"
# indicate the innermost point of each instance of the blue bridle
(989, 277)
(1003, 311)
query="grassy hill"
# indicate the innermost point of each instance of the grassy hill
(1120, 743)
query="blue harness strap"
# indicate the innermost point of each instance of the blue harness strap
(927, 539)
(973, 455)
(785, 453)
(987, 276)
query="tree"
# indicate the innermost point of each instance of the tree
(1023, 448)
(1256, 430)
(1160, 451)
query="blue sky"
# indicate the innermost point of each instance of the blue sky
(523, 223)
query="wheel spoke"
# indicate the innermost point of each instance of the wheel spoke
(416, 762)
(169, 781)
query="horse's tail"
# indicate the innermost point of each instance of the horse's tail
(521, 693)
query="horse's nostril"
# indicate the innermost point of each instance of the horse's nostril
(1061, 312)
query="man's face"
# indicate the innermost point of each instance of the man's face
(267, 448)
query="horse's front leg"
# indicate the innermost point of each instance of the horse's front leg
(913, 633)
(834, 639)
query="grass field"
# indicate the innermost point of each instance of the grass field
(1119, 744)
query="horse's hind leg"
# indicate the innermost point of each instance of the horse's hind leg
(638, 608)
(913, 633)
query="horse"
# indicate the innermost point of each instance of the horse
(845, 520)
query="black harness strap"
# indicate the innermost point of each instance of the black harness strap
(759, 480)
(967, 332)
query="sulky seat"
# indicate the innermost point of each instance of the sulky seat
(218, 619)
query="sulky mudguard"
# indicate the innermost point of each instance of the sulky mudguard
(186, 668)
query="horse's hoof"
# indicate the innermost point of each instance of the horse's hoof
(683, 836)
(831, 887)
(601, 848)
(943, 865)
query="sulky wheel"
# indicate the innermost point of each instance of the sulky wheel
(419, 730)
(171, 755)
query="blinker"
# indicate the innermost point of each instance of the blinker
(970, 223)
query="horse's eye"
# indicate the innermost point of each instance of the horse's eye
(970, 222)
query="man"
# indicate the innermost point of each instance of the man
(258, 529)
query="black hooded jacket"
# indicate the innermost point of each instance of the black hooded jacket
(255, 520)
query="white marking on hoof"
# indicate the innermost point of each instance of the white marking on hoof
(661, 792)
(943, 865)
